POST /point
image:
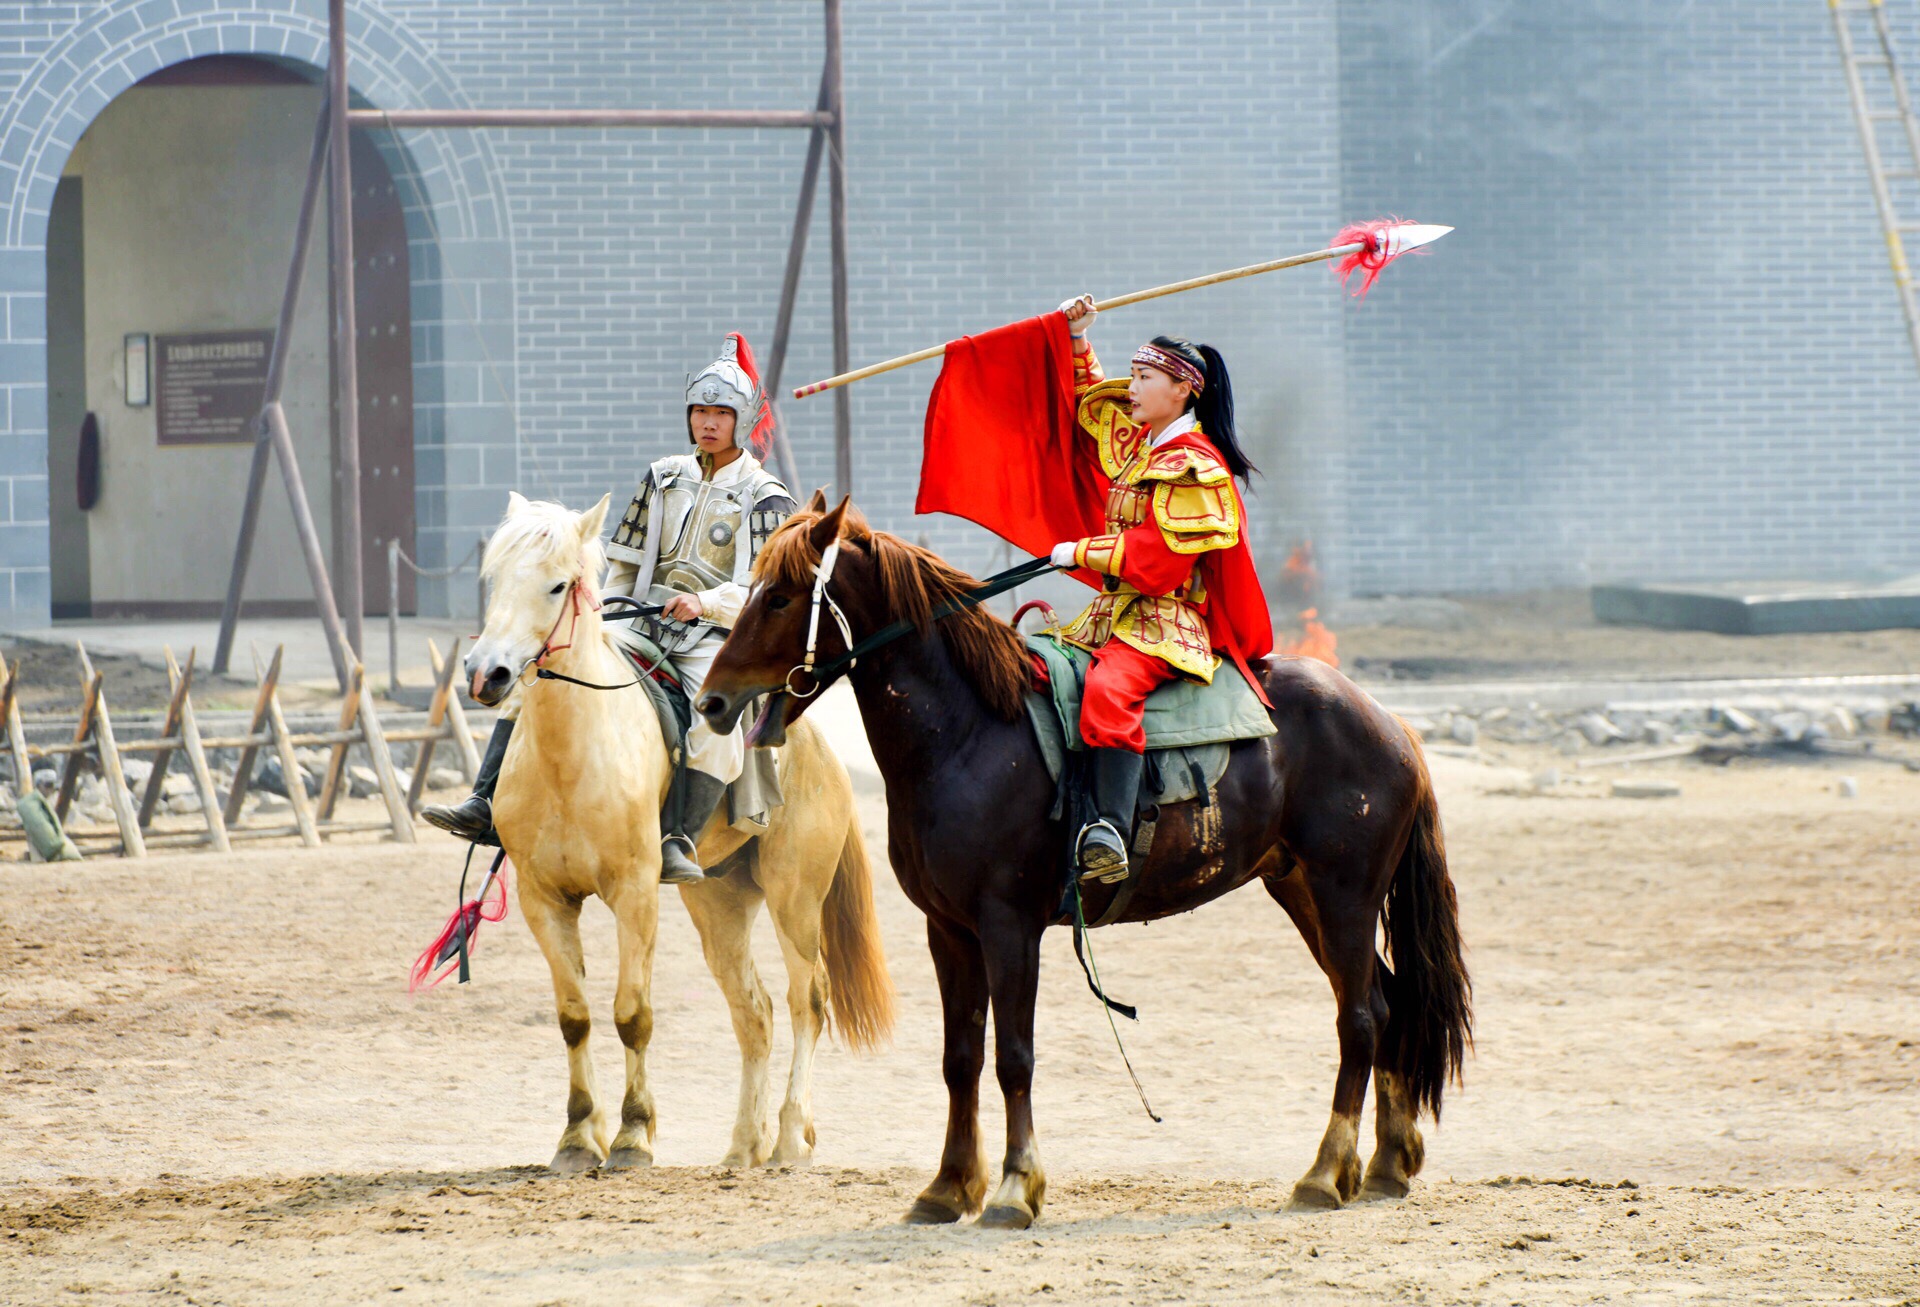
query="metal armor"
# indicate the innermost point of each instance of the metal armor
(685, 534)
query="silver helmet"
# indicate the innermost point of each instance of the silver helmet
(732, 381)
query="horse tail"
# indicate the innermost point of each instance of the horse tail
(857, 978)
(1429, 995)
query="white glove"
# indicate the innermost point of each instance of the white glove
(1080, 315)
(1062, 555)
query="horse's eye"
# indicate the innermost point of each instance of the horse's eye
(777, 602)
(558, 588)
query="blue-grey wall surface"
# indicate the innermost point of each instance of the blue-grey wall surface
(1663, 341)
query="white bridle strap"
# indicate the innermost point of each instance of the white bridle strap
(822, 573)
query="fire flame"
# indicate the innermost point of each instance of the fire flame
(1316, 641)
(1300, 584)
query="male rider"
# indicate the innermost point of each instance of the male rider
(686, 545)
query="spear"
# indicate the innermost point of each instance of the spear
(1365, 248)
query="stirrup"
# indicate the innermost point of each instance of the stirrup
(691, 857)
(1099, 863)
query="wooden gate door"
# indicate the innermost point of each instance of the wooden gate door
(383, 313)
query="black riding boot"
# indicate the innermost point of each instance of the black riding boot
(472, 817)
(1116, 792)
(698, 795)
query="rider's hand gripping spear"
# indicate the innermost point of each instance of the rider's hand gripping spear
(1364, 248)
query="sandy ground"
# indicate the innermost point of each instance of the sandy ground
(1698, 1078)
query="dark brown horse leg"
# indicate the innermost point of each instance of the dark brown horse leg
(1398, 1149)
(1346, 953)
(962, 1179)
(1013, 975)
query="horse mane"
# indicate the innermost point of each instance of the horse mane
(540, 532)
(914, 582)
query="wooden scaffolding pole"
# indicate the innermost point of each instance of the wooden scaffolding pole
(837, 200)
(263, 444)
(790, 290)
(331, 149)
(346, 336)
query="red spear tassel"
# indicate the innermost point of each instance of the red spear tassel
(451, 947)
(1370, 261)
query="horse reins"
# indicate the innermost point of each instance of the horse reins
(544, 673)
(817, 670)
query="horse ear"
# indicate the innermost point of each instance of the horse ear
(827, 529)
(818, 504)
(516, 502)
(594, 518)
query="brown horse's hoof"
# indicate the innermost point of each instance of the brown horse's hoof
(627, 1159)
(1380, 1188)
(1007, 1216)
(930, 1211)
(1314, 1196)
(574, 1159)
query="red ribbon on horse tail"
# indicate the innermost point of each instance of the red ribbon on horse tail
(451, 947)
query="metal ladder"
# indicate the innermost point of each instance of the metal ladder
(1868, 119)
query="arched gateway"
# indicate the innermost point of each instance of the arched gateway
(166, 249)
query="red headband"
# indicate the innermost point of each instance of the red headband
(1172, 364)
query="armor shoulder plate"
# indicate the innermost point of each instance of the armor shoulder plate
(1103, 415)
(630, 537)
(1184, 463)
(769, 515)
(1195, 517)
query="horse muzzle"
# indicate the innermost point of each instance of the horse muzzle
(769, 729)
(489, 681)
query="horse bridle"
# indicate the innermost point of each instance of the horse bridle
(822, 573)
(817, 670)
(576, 592)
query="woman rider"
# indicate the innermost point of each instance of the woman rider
(1178, 583)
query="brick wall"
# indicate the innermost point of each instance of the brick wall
(1664, 342)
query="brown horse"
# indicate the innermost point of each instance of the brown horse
(1334, 814)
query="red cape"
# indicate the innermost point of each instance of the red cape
(1004, 449)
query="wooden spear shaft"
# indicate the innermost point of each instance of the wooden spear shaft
(1119, 301)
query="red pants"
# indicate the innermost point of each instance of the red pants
(1117, 687)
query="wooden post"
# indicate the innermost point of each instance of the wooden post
(337, 760)
(337, 637)
(17, 742)
(197, 765)
(276, 378)
(456, 711)
(436, 721)
(397, 813)
(119, 797)
(157, 779)
(837, 199)
(290, 770)
(790, 289)
(243, 770)
(346, 338)
(70, 774)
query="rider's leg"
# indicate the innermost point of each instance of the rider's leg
(713, 762)
(472, 817)
(1111, 707)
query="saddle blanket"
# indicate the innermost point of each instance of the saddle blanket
(1189, 726)
(756, 793)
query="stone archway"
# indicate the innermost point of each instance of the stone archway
(453, 189)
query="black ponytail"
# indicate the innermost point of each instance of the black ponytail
(1213, 406)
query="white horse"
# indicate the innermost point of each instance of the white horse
(578, 812)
